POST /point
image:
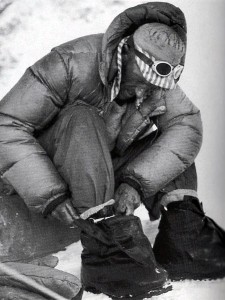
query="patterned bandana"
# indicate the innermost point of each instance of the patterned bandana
(116, 84)
(167, 82)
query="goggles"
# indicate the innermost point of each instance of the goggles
(164, 69)
(157, 72)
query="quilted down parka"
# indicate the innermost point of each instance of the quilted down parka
(84, 69)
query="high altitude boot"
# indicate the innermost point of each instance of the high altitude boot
(189, 244)
(118, 260)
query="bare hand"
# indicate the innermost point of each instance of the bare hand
(127, 199)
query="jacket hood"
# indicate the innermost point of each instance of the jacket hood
(128, 21)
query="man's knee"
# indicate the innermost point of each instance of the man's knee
(183, 185)
(186, 180)
(77, 124)
(83, 119)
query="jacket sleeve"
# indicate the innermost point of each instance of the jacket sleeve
(29, 106)
(173, 151)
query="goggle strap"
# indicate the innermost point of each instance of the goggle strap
(138, 53)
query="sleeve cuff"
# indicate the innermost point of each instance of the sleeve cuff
(53, 203)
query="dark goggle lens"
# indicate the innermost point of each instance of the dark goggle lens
(163, 69)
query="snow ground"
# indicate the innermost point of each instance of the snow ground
(29, 29)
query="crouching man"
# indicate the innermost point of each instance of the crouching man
(103, 117)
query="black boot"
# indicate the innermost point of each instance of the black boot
(190, 245)
(118, 260)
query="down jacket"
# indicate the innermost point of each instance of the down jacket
(84, 69)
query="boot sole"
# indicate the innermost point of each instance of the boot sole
(154, 292)
(149, 294)
(182, 276)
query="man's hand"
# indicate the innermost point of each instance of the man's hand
(65, 212)
(127, 199)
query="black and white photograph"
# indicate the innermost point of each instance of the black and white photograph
(112, 165)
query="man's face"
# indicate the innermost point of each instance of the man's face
(132, 81)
